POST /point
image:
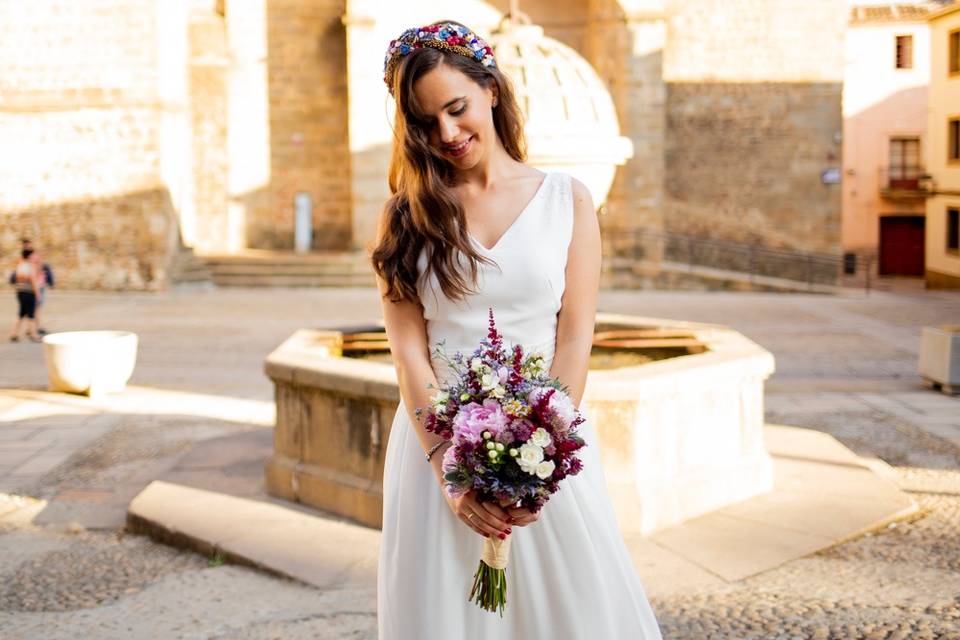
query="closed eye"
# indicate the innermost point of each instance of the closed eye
(459, 111)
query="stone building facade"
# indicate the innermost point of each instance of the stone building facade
(942, 261)
(132, 127)
(887, 70)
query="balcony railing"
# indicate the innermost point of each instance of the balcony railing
(905, 183)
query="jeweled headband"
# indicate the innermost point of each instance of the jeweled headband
(446, 36)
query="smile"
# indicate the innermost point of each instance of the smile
(460, 149)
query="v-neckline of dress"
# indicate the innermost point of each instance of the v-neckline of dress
(506, 232)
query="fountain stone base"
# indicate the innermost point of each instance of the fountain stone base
(678, 437)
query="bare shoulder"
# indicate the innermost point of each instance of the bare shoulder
(583, 207)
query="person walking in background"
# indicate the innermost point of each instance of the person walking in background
(27, 283)
(45, 273)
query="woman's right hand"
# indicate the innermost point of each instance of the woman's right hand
(485, 518)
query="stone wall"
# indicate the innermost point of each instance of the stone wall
(79, 153)
(753, 118)
(309, 147)
(744, 161)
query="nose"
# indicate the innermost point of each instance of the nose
(448, 130)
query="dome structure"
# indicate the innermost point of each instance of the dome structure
(571, 123)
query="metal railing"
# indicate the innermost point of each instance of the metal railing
(910, 181)
(811, 270)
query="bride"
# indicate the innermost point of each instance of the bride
(470, 227)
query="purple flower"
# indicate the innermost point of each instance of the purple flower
(522, 428)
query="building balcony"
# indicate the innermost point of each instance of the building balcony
(905, 183)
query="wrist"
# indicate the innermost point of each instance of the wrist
(437, 461)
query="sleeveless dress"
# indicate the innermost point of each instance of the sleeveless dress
(570, 575)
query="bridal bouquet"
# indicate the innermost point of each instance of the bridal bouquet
(514, 433)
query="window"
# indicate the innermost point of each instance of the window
(954, 64)
(904, 56)
(904, 163)
(953, 230)
(953, 140)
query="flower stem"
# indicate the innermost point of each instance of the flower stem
(489, 588)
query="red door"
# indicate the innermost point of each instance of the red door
(901, 245)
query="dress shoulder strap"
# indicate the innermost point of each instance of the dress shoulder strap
(561, 208)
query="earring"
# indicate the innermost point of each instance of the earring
(494, 102)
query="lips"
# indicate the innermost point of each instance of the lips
(460, 149)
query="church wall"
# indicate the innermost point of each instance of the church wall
(309, 146)
(753, 117)
(79, 153)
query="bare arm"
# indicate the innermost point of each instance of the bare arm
(407, 334)
(35, 282)
(575, 322)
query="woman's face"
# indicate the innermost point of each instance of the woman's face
(460, 120)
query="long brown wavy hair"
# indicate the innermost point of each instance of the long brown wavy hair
(423, 213)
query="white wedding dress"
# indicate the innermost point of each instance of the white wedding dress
(570, 576)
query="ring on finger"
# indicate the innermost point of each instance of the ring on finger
(470, 517)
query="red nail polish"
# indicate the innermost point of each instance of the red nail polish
(509, 530)
(502, 536)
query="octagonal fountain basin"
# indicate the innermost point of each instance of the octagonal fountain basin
(90, 362)
(677, 407)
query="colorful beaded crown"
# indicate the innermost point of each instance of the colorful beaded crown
(446, 36)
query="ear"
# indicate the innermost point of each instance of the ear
(495, 95)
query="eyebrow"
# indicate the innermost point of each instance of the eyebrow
(453, 101)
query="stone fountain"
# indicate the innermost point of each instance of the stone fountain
(678, 409)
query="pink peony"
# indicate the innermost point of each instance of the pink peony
(473, 419)
(561, 406)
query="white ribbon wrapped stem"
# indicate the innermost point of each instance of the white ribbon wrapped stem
(496, 552)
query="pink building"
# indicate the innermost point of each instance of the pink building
(885, 185)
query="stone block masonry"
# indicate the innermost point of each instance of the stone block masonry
(79, 152)
(743, 163)
(309, 147)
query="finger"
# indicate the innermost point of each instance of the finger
(489, 523)
(495, 511)
(475, 528)
(522, 516)
(472, 520)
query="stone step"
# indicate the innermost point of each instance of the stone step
(257, 268)
(292, 280)
(187, 268)
(319, 551)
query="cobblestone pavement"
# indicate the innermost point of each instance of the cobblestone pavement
(846, 366)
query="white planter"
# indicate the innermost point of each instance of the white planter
(940, 354)
(90, 362)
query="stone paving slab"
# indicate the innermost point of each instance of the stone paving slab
(318, 551)
(823, 494)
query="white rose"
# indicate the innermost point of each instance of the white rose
(545, 469)
(476, 364)
(489, 381)
(540, 437)
(498, 391)
(530, 456)
(441, 398)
